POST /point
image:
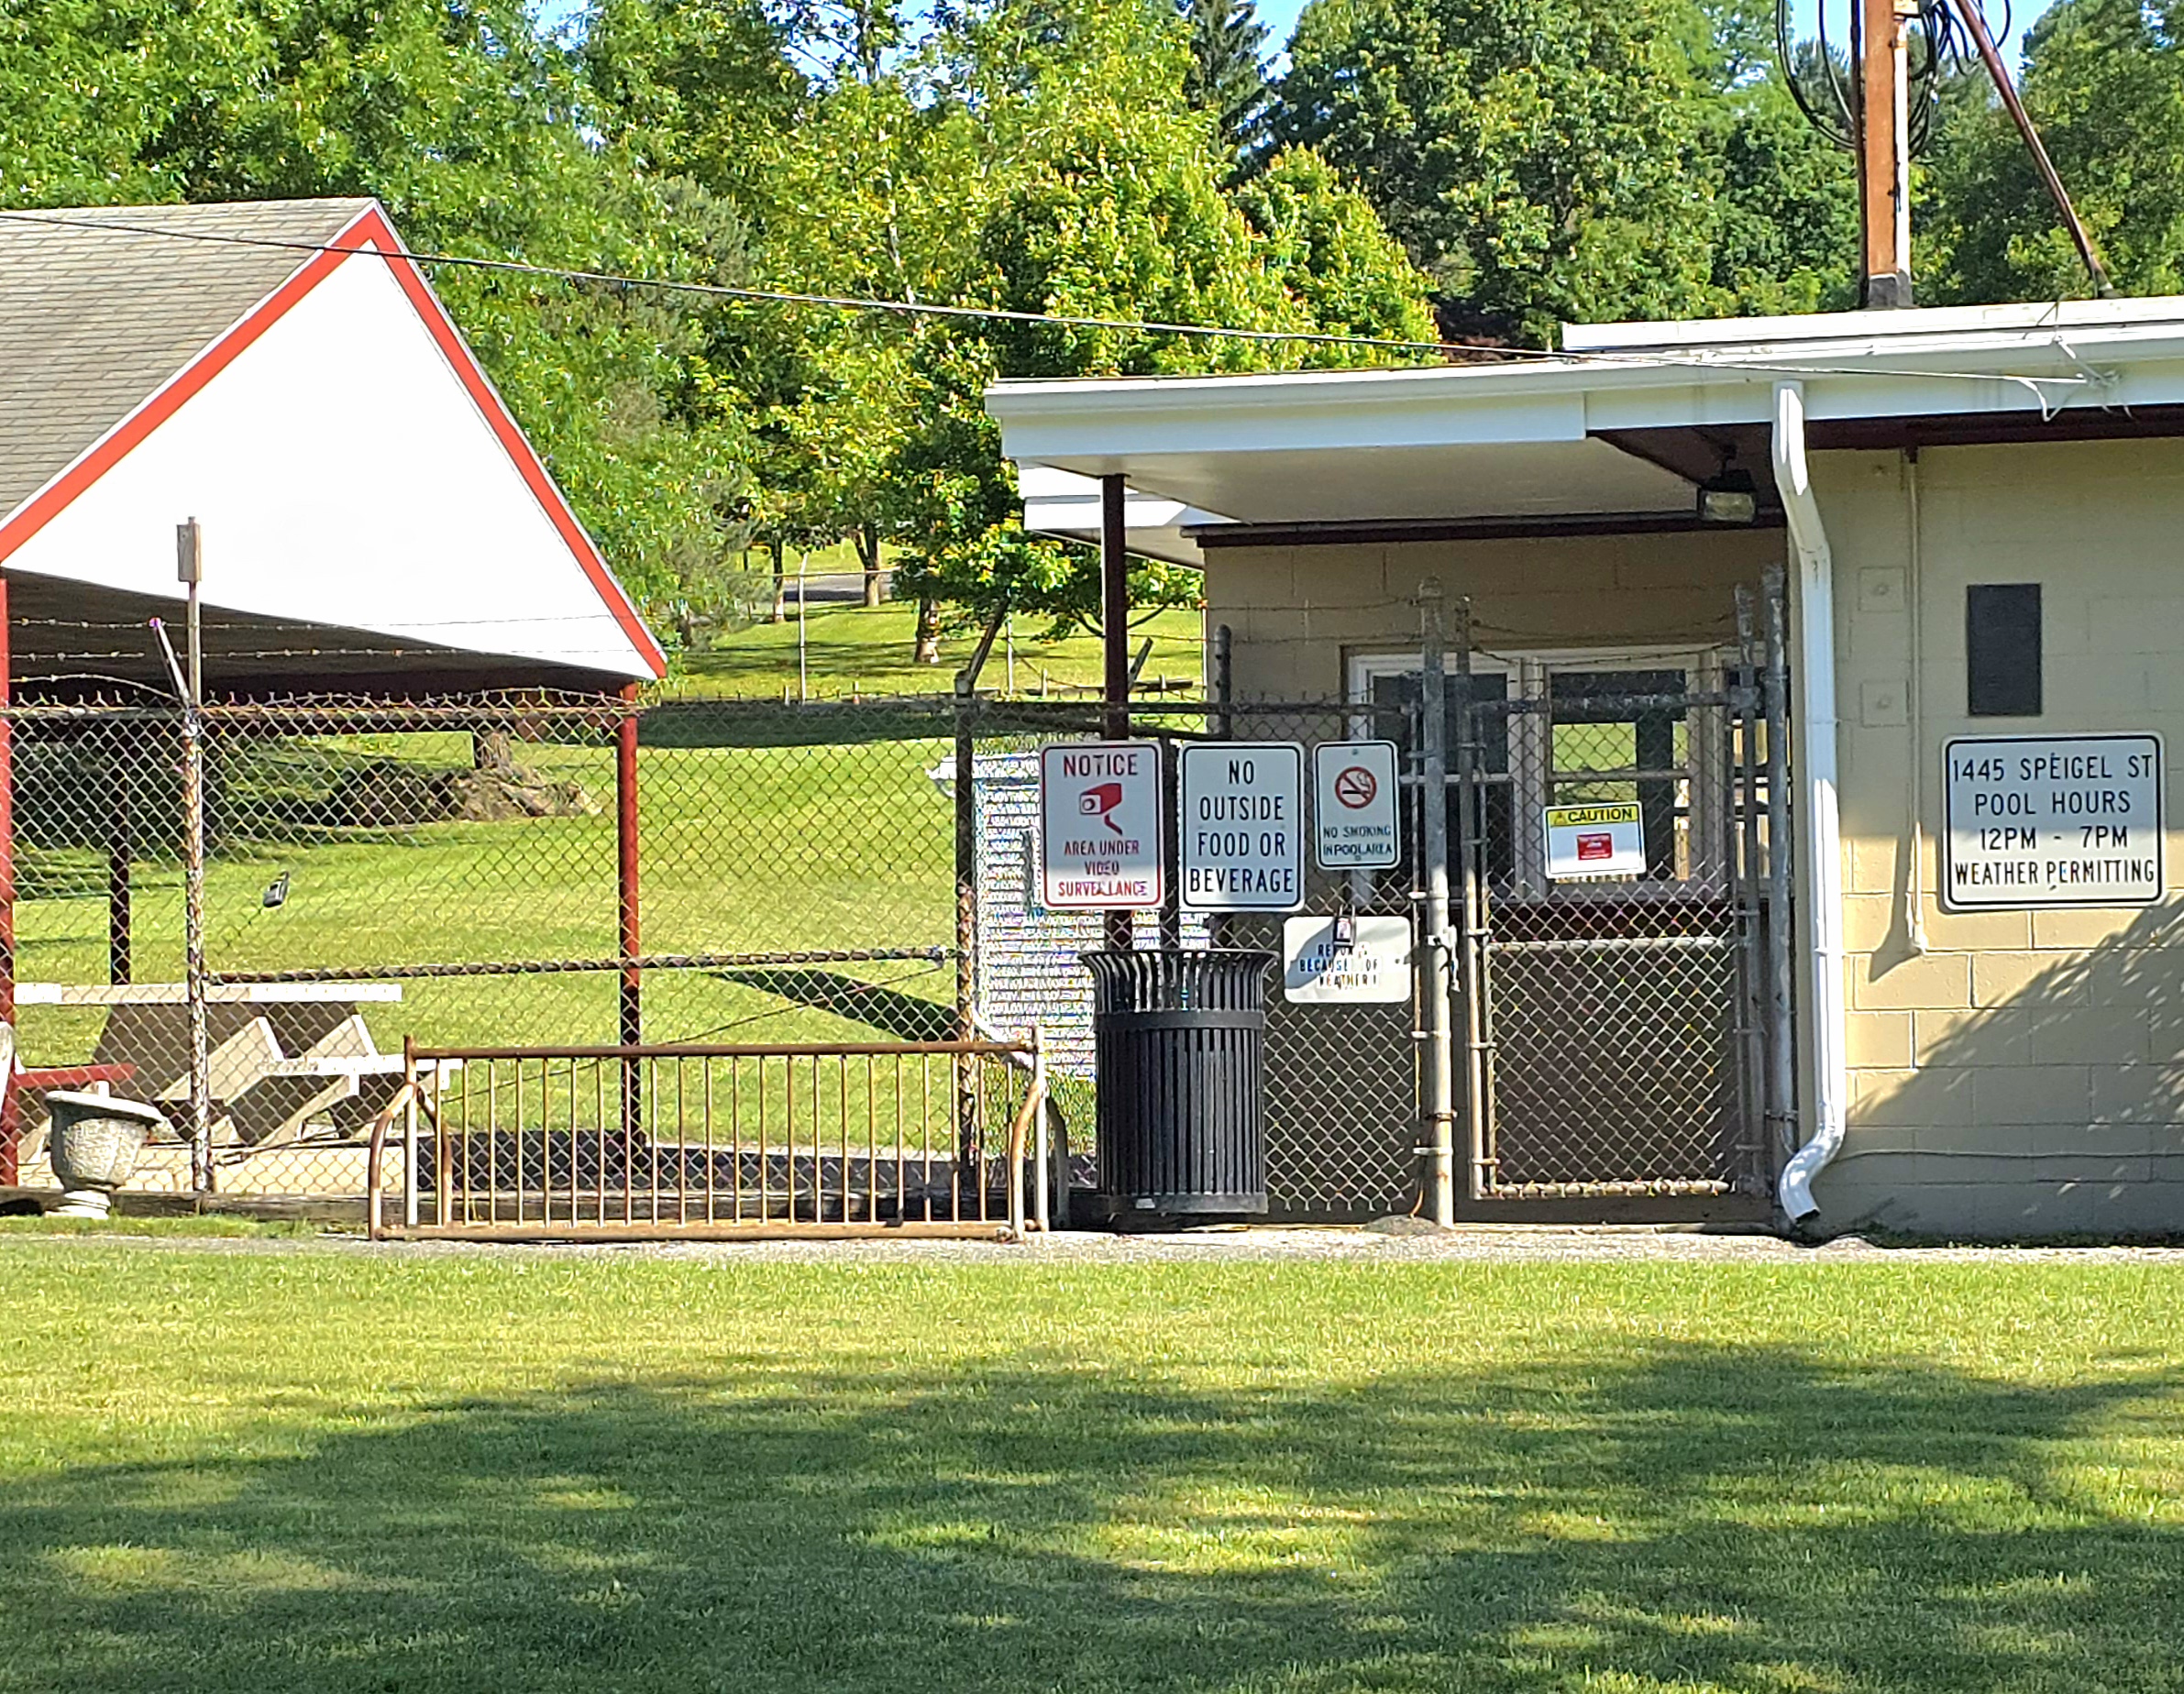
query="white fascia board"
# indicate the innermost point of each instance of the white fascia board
(1855, 327)
(1105, 424)
(1096, 432)
(1064, 505)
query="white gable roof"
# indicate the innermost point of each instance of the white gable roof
(351, 466)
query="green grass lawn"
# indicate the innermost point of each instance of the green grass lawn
(313, 1471)
(854, 649)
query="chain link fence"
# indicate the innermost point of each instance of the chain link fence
(1340, 1079)
(455, 871)
(572, 871)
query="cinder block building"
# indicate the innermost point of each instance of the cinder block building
(1975, 514)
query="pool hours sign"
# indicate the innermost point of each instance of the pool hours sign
(2043, 821)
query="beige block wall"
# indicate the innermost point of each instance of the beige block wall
(1298, 614)
(2024, 1074)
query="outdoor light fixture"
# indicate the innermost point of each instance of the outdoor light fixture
(1728, 498)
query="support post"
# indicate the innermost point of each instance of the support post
(1884, 151)
(1440, 938)
(630, 999)
(1223, 681)
(1114, 633)
(190, 568)
(10, 1120)
(120, 849)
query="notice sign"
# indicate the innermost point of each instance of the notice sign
(1355, 822)
(1099, 826)
(1607, 840)
(2052, 820)
(1346, 961)
(1243, 828)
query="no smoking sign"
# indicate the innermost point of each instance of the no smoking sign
(1355, 824)
(1355, 786)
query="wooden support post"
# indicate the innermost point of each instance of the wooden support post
(630, 1021)
(1884, 151)
(1114, 630)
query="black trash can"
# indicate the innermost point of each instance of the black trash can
(1179, 1039)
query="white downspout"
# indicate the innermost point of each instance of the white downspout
(1820, 836)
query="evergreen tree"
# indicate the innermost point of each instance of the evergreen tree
(1226, 75)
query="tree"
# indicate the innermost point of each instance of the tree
(1572, 160)
(1117, 212)
(1228, 67)
(2104, 83)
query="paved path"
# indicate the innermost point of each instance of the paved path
(1476, 1244)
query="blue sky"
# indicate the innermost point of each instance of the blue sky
(1280, 17)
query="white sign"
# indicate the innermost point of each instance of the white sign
(2052, 820)
(1605, 839)
(1099, 826)
(1355, 822)
(1243, 828)
(1346, 961)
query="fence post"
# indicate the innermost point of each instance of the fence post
(1224, 721)
(1114, 603)
(1433, 802)
(190, 568)
(967, 929)
(8, 1112)
(630, 1006)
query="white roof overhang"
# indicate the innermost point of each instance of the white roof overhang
(1063, 504)
(1547, 436)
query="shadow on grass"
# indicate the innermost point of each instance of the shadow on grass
(904, 1016)
(1735, 1518)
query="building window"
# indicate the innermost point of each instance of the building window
(1569, 728)
(2001, 649)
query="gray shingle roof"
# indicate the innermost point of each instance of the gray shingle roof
(93, 320)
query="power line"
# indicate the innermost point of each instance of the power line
(913, 308)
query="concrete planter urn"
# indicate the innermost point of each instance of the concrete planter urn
(93, 1143)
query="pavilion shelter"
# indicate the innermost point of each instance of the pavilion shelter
(372, 524)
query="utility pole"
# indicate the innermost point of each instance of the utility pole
(1885, 149)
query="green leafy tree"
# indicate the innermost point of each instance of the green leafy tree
(2104, 83)
(1118, 214)
(1534, 156)
(1547, 160)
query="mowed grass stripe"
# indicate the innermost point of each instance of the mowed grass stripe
(314, 1470)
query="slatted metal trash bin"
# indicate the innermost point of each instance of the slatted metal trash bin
(1178, 1039)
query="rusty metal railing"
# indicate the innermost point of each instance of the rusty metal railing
(736, 1141)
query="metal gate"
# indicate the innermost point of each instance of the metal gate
(1613, 1033)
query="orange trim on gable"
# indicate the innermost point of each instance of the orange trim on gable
(369, 234)
(505, 429)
